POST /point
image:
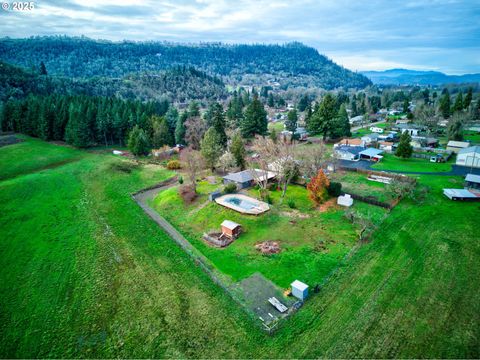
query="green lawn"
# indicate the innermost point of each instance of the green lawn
(391, 162)
(278, 126)
(472, 136)
(358, 183)
(33, 155)
(85, 273)
(302, 232)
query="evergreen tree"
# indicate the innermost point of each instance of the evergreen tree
(468, 98)
(138, 141)
(77, 132)
(458, 105)
(211, 148)
(342, 123)
(270, 101)
(455, 128)
(404, 149)
(303, 103)
(255, 119)
(354, 107)
(237, 148)
(445, 104)
(405, 106)
(43, 69)
(172, 117)
(323, 118)
(218, 122)
(193, 109)
(291, 122)
(180, 129)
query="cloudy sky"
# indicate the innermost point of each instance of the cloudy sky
(440, 35)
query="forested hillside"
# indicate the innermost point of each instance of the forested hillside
(176, 85)
(290, 65)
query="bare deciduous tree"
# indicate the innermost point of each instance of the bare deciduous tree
(192, 163)
(195, 128)
(313, 158)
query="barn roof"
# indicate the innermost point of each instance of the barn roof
(475, 149)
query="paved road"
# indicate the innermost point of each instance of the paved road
(367, 165)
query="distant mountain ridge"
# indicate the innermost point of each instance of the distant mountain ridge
(289, 65)
(415, 77)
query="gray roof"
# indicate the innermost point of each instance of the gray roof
(473, 178)
(355, 150)
(371, 136)
(371, 152)
(475, 149)
(240, 177)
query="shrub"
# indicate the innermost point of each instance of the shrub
(230, 188)
(187, 193)
(269, 199)
(317, 188)
(335, 189)
(291, 204)
(180, 180)
(173, 165)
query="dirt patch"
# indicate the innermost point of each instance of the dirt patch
(295, 214)
(268, 247)
(330, 204)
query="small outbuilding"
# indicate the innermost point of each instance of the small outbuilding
(299, 289)
(371, 154)
(472, 181)
(461, 194)
(469, 157)
(231, 229)
(456, 146)
(345, 200)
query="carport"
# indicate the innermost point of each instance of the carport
(371, 154)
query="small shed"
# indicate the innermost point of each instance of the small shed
(299, 289)
(231, 229)
(472, 181)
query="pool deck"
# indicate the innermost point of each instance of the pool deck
(260, 207)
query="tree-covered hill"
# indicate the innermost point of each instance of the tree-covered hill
(178, 84)
(292, 64)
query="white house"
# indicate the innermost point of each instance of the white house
(376, 129)
(456, 146)
(411, 129)
(469, 157)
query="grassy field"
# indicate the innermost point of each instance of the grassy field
(359, 184)
(391, 162)
(278, 126)
(85, 273)
(472, 136)
(313, 243)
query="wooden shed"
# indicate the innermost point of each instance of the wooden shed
(231, 229)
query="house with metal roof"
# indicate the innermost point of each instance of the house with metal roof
(370, 138)
(351, 153)
(246, 178)
(371, 154)
(456, 146)
(469, 157)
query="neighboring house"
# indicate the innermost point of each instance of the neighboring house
(376, 129)
(392, 136)
(385, 145)
(461, 194)
(351, 153)
(418, 142)
(370, 138)
(411, 129)
(246, 178)
(301, 133)
(469, 157)
(472, 181)
(371, 154)
(356, 120)
(431, 142)
(402, 121)
(350, 142)
(456, 146)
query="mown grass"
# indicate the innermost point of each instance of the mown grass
(33, 155)
(313, 243)
(85, 273)
(392, 162)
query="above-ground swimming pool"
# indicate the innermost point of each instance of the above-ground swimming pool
(243, 204)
